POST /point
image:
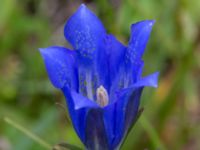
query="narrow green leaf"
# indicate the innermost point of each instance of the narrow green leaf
(65, 146)
(28, 133)
(154, 137)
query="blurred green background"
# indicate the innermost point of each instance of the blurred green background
(171, 119)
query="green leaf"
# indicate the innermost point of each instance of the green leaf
(65, 146)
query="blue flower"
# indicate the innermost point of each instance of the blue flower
(100, 78)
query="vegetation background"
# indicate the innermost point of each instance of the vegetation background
(171, 119)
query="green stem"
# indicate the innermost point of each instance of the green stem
(28, 133)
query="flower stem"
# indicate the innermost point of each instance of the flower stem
(28, 133)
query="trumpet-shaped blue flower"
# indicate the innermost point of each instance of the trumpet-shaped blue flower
(100, 78)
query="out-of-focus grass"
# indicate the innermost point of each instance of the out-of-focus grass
(171, 111)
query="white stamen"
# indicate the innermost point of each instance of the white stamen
(102, 96)
(89, 85)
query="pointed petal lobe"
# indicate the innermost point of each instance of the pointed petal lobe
(150, 80)
(61, 66)
(82, 101)
(85, 32)
(140, 33)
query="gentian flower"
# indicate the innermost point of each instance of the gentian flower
(100, 78)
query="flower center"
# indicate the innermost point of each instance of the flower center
(102, 96)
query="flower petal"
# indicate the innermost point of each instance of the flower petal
(78, 107)
(85, 32)
(132, 106)
(150, 80)
(61, 66)
(125, 78)
(118, 121)
(115, 54)
(140, 33)
(96, 137)
(126, 109)
(110, 122)
(82, 102)
(78, 116)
